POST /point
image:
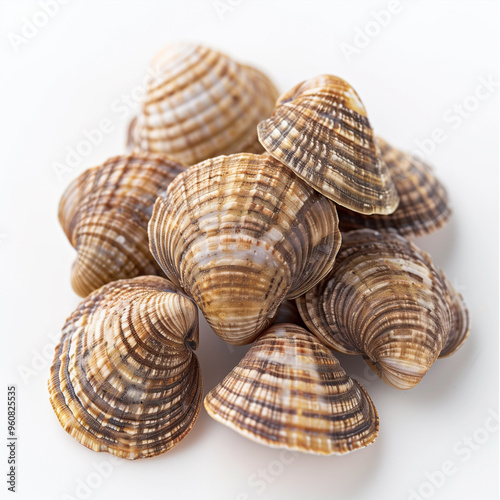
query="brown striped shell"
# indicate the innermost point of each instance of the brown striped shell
(460, 320)
(423, 202)
(105, 212)
(320, 130)
(386, 300)
(240, 234)
(289, 391)
(200, 103)
(124, 378)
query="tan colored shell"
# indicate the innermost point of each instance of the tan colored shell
(199, 103)
(124, 378)
(240, 234)
(104, 213)
(460, 321)
(423, 201)
(320, 130)
(289, 391)
(386, 300)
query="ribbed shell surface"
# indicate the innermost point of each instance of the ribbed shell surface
(423, 202)
(289, 391)
(240, 234)
(200, 103)
(320, 130)
(105, 212)
(460, 318)
(386, 300)
(124, 378)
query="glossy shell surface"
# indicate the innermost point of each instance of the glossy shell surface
(289, 391)
(125, 379)
(240, 234)
(105, 213)
(321, 131)
(199, 103)
(423, 202)
(385, 299)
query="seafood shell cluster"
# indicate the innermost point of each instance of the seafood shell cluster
(288, 230)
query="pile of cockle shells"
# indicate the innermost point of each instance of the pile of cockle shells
(289, 197)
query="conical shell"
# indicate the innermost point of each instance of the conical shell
(105, 212)
(199, 103)
(386, 300)
(320, 130)
(423, 202)
(289, 391)
(124, 378)
(240, 234)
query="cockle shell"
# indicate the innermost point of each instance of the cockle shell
(240, 234)
(105, 212)
(320, 130)
(290, 391)
(460, 320)
(200, 103)
(124, 378)
(386, 300)
(423, 202)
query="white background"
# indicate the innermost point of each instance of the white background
(75, 70)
